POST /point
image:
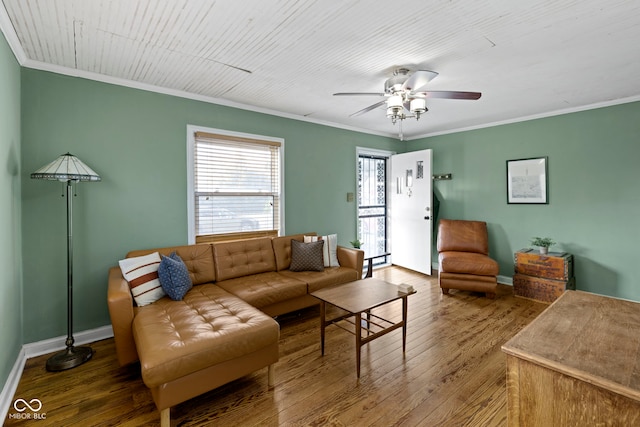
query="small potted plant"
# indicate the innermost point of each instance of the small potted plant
(356, 243)
(543, 243)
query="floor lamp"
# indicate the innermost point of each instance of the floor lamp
(68, 168)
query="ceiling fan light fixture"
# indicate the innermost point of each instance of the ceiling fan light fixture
(392, 113)
(395, 101)
(418, 106)
(395, 108)
(395, 115)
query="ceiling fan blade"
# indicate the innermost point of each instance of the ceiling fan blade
(369, 108)
(448, 94)
(359, 94)
(419, 79)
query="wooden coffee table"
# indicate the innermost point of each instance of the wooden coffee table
(361, 297)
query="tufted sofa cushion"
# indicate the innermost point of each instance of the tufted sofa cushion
(243, 258)
(197, 258)
(209, 326)
(331, 276)
(261, 290)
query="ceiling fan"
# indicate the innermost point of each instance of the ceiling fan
(405, 92)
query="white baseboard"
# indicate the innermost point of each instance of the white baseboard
(58, 343)
(505, 280)
(39, 348)
(10, 387)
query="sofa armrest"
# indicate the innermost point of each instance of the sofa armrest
(351, 258)
(120, 304)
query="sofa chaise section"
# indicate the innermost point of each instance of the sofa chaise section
(209, 334)
(122, 308)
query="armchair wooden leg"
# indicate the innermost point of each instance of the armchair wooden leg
(445, 291)
(165, 417)
(490, 295)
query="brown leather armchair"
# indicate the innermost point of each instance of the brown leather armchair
(463, 249)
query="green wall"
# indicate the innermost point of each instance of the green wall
(136, 141)
(10, 239)
(594, 199)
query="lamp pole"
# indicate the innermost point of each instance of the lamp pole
(72, 356)
(70, 339)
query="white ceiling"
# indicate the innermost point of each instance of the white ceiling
(528, 58)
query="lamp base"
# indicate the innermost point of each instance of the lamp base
(69, 358)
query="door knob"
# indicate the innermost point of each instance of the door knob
(426, 217)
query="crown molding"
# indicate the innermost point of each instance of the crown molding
(14, 43)
(72, 72)
(11, 36)
(57, 69)
(553, 113)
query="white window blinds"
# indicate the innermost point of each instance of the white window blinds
(236, 184)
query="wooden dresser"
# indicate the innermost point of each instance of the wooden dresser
(577, 364)
(542, 277)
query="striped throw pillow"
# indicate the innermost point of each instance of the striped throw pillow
(330, 249)
(142, 274)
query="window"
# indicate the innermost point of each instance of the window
(373, 213)
(235, 187)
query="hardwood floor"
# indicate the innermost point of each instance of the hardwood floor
(452, 374)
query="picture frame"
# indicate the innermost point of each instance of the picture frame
(527, 181)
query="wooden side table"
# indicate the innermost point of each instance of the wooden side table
(370, 263)
(577, 364)
(542, 277)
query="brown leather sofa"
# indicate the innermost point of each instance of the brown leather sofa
(223, 328)
(463, 257)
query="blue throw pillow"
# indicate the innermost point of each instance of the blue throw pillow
(174, 276)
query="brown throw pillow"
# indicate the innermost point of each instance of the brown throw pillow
(306, 256)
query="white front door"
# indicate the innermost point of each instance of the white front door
(411, 215)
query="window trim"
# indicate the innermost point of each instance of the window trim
(191, 143)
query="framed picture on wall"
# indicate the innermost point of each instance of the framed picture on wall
(527, 181)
